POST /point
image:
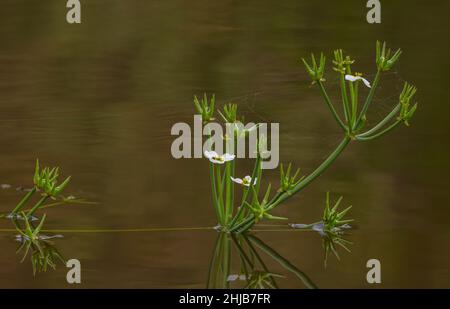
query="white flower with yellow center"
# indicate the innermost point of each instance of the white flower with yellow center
(219, 159)
(246, 181)
(354, 78)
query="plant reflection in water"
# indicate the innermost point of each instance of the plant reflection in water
(39, 247)
(254, 273)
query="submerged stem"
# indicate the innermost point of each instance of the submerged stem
(282, 261)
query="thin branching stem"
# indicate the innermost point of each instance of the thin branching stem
(25, 199)
(382, 123)
(345, 103)
(248, 222)
(319, 170)
(214, 192)
(228, 188)
(368, 99)
(330, 105)
(241, 209)
(282, 261)
(390, 128)
(38, 204)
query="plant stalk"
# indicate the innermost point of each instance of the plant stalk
(330, 105)
(307, 180)
(368, 99)
(38, 204)
(25, 199)
(382, 123)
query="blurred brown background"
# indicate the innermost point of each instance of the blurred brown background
(99, 99)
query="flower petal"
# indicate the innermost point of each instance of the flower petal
(210, 154)
(366, 82)
(228, 157)
(351, 78)
(213, 160)
(248, 178)
(237, 180)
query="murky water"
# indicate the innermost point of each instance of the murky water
(99, 99)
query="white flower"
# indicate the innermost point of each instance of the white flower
(219, 159)
(245, 182)
(353, 78)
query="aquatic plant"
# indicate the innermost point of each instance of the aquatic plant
(45, 181)
(43, 252)
(253, 272)
(352, 121)
(331, 228)
(332, 218)
(330, 242)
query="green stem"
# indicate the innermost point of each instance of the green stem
(220, 190)
(228, 186)
(243, 255)
(214, 192)
(368, 99)
(382, 123)
(25, 199)
(345, 100)
(255, 193)
(260, 260)
(211, 270)
(233, 173)
(38, 204)
(249, 221)
(355, 102)
(243, 225)
(330, 105)
(367, 138)
(241, 209)
(282, 261)
(307, 180)
(227, 262)
(277, 196)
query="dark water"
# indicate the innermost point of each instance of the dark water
(99, 99)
